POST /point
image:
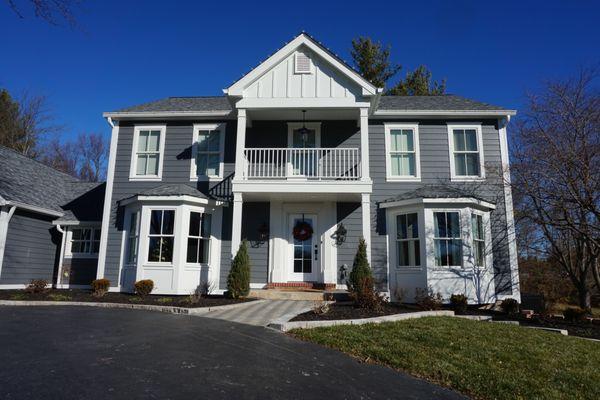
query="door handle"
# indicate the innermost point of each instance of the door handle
(316, 252)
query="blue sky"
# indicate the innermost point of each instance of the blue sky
(128, 52)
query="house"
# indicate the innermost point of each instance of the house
(302, 157)
(49, 224)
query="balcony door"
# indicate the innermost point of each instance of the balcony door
(303, 157)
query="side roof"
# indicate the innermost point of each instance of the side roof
(30, 184)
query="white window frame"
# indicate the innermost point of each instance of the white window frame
(461, 178)
(135, 234)
(388, 127)
(161, 150)
(463, 231)
(69, 240)
(187, 235)
(222, 132)
(148, 235)
(419, 238)
(487, 240)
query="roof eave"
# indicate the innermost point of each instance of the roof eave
(445, 113)
(166, 114)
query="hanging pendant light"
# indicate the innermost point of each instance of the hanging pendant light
(304, 131)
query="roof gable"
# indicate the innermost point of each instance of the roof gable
(331, 78)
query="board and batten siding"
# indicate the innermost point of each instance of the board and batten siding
(176, 170)
(32, 249)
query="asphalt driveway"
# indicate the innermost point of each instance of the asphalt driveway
(93, 353)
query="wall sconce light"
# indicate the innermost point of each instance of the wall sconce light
(340, 235)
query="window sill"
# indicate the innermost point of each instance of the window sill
(403, 179)
(82, 255)
(408, 270)
(145, 178)
(467, 178)
(158, 265)
(206, 178)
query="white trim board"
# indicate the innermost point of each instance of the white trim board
(438, 201)
(414, 127)
(133, 176)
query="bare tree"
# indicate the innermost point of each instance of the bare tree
(84, 158)
(556, 176)
(50, 11)
(62, 156)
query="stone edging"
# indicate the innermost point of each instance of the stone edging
(147, 307)
(283, 324)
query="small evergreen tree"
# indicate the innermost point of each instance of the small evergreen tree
(238, 280)
(361, 269)
(418, 83)
(372, 61)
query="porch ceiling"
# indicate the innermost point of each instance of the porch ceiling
(288, 114)
(303, 197)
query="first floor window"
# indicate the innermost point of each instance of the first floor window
(85, 240)
(198, 244)
(478, 240)
(132, 239)
(447, 239)
(407, 240)
(161, 236)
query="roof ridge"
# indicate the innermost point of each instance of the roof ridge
(42, 164)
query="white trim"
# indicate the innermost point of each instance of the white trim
(478, 130)
(364, 145)
(366, 221)
(221, 127)
(238, 87)
(35, 209)
(240, 145)
(77, 223)
(180, 198)
(5, 216)
(236, 220)
(161, 152)
(388, 127)
(461, 113)
(301, 102)
(69, 286)
(13, 286)
(68, 253)
(457, 200)
(110, 177)
(166, 114)
(301, 186)
(61, 256)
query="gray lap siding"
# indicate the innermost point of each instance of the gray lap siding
(31, 251)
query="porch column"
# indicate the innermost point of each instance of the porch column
(364, 143)
(366, 221)
(240, 144)
(6, 212)
(236, 228)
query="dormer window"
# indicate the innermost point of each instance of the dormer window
(302, 64)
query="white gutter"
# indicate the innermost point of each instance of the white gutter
(35, 209)
(166, 114)
(445, 113)
(5, 217)
(62, 253)
(439, 200)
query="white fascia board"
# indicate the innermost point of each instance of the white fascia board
(444, 113)
(278, 186)
(36, 209)
(300, 102)
(167, 114)
(180, 199)
(58, 222)
(238, 87)
(422, 201)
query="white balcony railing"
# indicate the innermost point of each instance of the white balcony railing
(308, 163)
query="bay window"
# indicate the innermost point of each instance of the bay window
(198, 243)
(161, 236)
(447, 239)
(133, 238)
(478, 236)
(407, 240)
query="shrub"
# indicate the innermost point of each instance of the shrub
(144, 287)
(459, 303)
(574, 314)
(427, 300)
(367, 297)
(238, 280)
(360, 269)
(100, 287)
(321, 308)
(37, 286)
(510, 306)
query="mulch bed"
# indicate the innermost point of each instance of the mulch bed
(347, 310)
(585, 329)
(123, 298)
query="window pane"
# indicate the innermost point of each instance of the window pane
(96, 234)
(168, 220)
(143, 140)
(203, 140)
(471, 140)
(141, 165)
(412, 225)
(155, 220)
(204, 251)
(86, 234)
(453, 225)
(297, 251)
(167, 249)
(201, 164)
(459, 140)
(132, 250)
(439, 221)
(76, 247)
(133, 224)
(76, 234)
(213, 141)
(95, 246)
(152, 166)
(403, 259)
(154, 249)
(472, 164)
(153, 141)
(454, 252)
(194, 224)
(192, 250)
(402, 140)
(476, 226)
(297, 265)
(441, 253)
(213, 164)
(206, 225)
(460, 165)
(416, 250)
(401, 227)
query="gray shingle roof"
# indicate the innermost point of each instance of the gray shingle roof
(214, 103)
(29, 182)
(436, 192)
(434, 103)
(171, 190)
(397, 103)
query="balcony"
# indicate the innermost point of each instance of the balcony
(315, 164)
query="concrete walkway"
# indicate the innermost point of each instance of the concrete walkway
(260, 314)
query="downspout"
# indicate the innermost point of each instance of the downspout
(62, 254)
(5, 217)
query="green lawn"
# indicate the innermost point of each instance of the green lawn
(480, 359)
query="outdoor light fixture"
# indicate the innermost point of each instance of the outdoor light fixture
(304, 131)
(340, 234)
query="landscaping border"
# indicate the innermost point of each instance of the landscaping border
(147, 307)
(284, 324)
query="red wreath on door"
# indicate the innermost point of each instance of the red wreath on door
(302, 231)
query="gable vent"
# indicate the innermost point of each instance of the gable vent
(303, 64)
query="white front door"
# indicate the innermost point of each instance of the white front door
(304, 254)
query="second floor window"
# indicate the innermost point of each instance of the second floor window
(466, 157)
(148, 152)
(402, 151)
(447, 239)
(208, 149)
